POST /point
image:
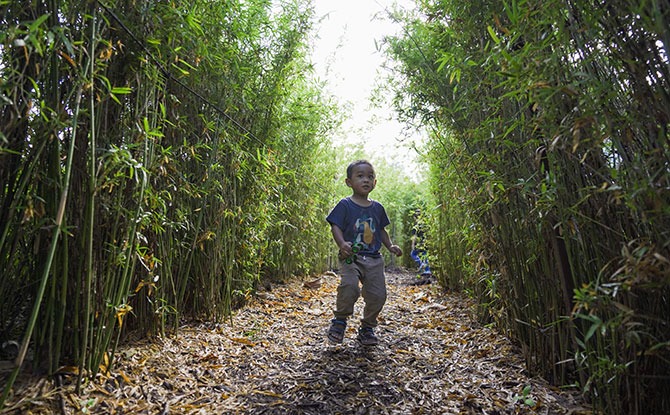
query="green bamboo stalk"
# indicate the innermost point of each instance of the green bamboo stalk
(90, 210)
(57, 328)
(60, 323)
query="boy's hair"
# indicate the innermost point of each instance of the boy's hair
(353, 164)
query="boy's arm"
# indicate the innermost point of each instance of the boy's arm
(386, 240)
(338, 236)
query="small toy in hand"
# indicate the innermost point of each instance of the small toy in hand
(354, 248)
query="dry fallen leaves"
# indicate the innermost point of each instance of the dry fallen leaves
(433, 358)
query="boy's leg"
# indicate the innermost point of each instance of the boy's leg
(374, 290)
(415, 256)
(347, 294)
(426, 268)
(348, 291)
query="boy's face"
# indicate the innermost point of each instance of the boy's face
(362, 180)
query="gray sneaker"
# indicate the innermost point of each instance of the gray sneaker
(366, 336)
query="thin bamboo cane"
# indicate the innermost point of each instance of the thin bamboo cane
(90, 210)
(62, 283)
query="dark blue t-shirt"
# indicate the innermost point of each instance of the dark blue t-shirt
(360, 224)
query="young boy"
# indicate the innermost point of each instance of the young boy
(357, 224)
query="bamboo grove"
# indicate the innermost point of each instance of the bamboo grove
(156, 160)
(550, 163)
(159, 158)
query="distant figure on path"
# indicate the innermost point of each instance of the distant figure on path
(419, 253)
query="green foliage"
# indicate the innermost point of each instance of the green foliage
(525, 397)
(548, 157)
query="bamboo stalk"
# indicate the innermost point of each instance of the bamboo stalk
(90, 210)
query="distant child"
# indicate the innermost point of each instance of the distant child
(357, 224)
(418, 253)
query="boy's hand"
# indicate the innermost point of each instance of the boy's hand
(395, 249)
(345, 250)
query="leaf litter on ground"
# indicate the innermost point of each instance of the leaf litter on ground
(433, 358)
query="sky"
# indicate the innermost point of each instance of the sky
(346, 57)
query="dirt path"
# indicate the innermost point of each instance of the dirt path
(433, 359)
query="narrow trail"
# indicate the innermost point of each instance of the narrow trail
(433, 359)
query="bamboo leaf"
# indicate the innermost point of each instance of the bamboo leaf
(597, 324)
(493, 34)
(121, 90)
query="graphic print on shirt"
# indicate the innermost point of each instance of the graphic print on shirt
(365, 230)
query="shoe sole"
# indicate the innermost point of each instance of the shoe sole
(333, 341)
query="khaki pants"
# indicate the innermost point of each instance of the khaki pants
(370, 273)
